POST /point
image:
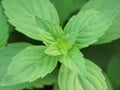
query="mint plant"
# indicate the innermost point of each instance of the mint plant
(59, 59)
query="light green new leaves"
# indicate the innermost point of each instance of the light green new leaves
(74, 61)
(113, 31)
(22, 13)
(53, 50)
(62, 45)
(94, 79)
(6, 55)
(3, 28)
(29, 65)
(89, 25)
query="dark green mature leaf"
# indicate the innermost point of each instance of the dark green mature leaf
(6, 55)
(113, 31)
(22, 13)
(113, 70)
(66, 7)
(94, 79)
(29, 65)
(3, 28)
(56, 86)
(89, 26)
(74, 61)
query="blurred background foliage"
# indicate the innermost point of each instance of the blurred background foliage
(107, 56)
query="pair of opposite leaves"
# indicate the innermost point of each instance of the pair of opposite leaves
(39, 20)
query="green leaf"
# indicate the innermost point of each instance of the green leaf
(62, 45)
(74, 61)
(53, 50)
(6, 55)
(113, 70)
(50, 32)
(22, 13)
(29, 65)
(113, 32)
(108, 82)
(4, 31)
(70, 39)
(67, 7)
(56, 86)
(93, 80)
(89, 26)
(15, 87)
(50, 79)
